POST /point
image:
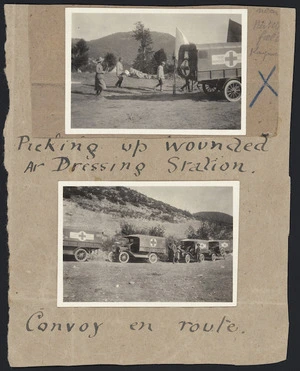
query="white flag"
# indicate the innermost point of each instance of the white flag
(180, 40)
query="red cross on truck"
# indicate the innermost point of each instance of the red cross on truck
(230, 58)
(215, 67)
(81, 244)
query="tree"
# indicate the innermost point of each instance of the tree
(144, 56)
(110, 61)
(190, 232)
(159, 56)
(79, 54)
(205, 231)
(210, 230)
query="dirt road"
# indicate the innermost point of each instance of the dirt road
(137, 106)
(103, 281)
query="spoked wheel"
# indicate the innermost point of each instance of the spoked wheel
(81, 255)
(123, 257)
(187, 258)
(213, 257)
(233, 90)
(152, 258)
(110, 256)
(209, 89)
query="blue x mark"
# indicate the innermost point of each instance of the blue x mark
(263, 86)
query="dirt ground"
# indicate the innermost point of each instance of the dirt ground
(103, 281)
(137, 106)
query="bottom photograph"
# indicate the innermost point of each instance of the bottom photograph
(139, 244)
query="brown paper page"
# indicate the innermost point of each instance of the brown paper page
(194, 225)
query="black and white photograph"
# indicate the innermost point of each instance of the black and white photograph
(156, 71)
(159, 244)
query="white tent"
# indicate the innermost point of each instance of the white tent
(180, 40)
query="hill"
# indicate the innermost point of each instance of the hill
(125, 202)
(122, 44)
(214, 217)
(111, 210)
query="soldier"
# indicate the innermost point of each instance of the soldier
(198, 251)
(187, 85)
(119, 72)
(99, 80)
(160, 76)
(177, 253)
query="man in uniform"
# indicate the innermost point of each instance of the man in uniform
(99, 80)
(160, 76)
(119, 72)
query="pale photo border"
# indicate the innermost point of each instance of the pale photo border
(235, 185)
(68, 42)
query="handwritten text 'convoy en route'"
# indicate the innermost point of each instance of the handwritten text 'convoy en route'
(37, 323)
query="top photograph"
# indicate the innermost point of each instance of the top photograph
(156, 71)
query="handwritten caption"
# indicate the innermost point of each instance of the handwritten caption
(266, 31)
(211, 155)
(36, 323)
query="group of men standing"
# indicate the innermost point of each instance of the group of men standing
(100, 84)
(177, 251)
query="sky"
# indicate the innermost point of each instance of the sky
(192, 199)
(198, 28)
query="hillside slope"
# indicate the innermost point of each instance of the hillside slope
(125, 202)
(108, 209)
(214, 217)
(122, 44)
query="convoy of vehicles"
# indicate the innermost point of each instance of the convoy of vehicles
(83, 244)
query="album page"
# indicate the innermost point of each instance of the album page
(147, 152)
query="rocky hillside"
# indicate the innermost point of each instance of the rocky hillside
(113, 210)
(125, 202)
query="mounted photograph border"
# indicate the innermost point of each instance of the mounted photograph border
(235, 185)
(148, 131)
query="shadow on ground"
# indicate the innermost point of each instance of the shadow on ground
(166, 97)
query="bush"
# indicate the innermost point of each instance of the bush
(127, 229)
(107, 244)
(210, 231)
(158, 231)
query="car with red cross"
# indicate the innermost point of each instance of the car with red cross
(138, 246)
(216, 67)
(81, 244)
(200, 250)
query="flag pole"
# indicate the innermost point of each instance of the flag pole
(174, 75)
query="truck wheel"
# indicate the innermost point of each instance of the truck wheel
(123, 257)
(81, 255)
(213, 257)
(209, 89)
(152, 258)
(201, 258)
(233, 90)
(110, 256)
(187, 258)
